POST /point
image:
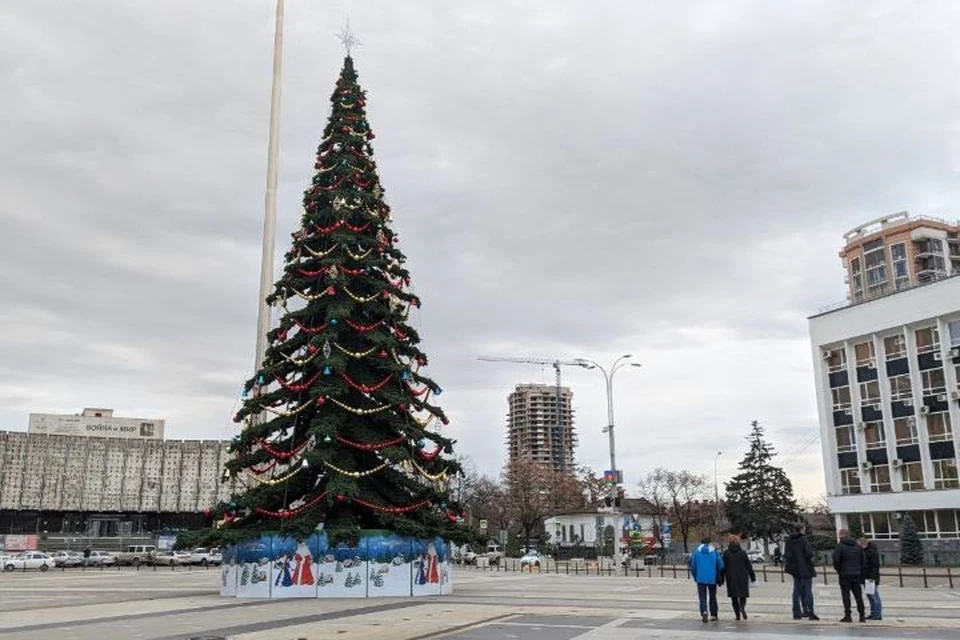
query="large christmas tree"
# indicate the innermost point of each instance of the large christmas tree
(338, 425)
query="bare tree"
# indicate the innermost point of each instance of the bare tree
(488, 502)
(653, 487)
(685, 490)
(591, 485)
(535, 491)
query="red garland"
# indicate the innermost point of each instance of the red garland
(312, 274)
(271, 465)
(313, 331)
(330, 229)
(277, 453)
(364, 388)
(355, 228)
(417, 392)
(293, 512)
(363, 184)
(297, 388)
(377, 507)
(429, 457)
(364, 328)
(336, 185)
(353, 272)
(371, 447)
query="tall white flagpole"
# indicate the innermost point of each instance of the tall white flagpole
(264, 319)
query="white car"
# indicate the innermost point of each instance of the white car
(170, 558)
(204, 556)
(532, 559)
(756, 557)
(29, 560)
(101, 559)
(68, 558)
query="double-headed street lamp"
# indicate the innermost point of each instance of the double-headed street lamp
(618, 364)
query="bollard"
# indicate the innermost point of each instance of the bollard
(782, 580)
(649, 571)
(661, 569)
(900, 573)
(925, 585)
(950, 577)
(637, 569)
(674, 570)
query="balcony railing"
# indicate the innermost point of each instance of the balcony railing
(843, 304)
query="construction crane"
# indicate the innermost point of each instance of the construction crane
(558, 439)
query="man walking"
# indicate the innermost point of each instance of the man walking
(871, 577)
(798, 562)
(705, 567)
(848, 560)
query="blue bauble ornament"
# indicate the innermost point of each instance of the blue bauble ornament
(437, 391)
(261, 379)
(327, 370)
(333, 322)
(233, 505)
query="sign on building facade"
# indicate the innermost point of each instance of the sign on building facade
(100, 426)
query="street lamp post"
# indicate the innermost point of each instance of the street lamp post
(716, 489)
(618, 364)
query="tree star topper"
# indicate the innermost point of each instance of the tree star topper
(348, 38)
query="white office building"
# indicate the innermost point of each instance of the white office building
(888, 392)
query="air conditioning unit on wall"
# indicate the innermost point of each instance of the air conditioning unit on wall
(924, 409)
(866, 466)
(897, 462)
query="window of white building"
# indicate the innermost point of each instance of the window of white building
(905, 431)
(849, 481)
(846, 441)
(938, 427)
(873, 436)
(869, 392)
(911, 476)
(894, 346)
(928, 339)
(945, 474)
(863, 351)
(841, 398)
(880, 479)
(934, 382)
(900, 387)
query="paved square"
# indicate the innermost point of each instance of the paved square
(183, 604)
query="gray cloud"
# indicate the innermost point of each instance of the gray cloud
(670, 180)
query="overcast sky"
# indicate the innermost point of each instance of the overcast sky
(569, 179)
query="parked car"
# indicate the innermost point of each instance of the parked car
(532, 559)
(494, 553)
(204, 556)
(170, 558)
(136, 554)
(466, 555)
(101, 559)
(68, 558)
(29, 560)
(756, 557)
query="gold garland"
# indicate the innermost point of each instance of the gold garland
(439, 477)
(355, 354)
(359, 256)
(287, 414)
(357, 298)
(359, 412)
(321, 254)
(355, 474)
(275, 481)
(308, 297)
(423, 424)
(301, 362)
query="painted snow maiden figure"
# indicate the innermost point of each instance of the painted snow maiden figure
(284, 578)
(737, 575)
(705, 568)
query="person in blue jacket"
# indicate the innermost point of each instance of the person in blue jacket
(706, 566)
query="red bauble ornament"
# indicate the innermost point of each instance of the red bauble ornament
(331, 290)
(208, 512)
(382, 354)
(345, 129)
(321, 400)
(386, 294)
(445, 420)
(281, 335)
(371, 135)
(312, 348)
(402, 407)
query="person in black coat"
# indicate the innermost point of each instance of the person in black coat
(848, 561)
(798, 563)
(871, 571)
(737, 574)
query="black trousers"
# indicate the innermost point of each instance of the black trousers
(739, 605)
(848, 584)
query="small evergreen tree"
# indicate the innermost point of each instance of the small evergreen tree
(855, 526)
(911, 549)
(760, 501)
